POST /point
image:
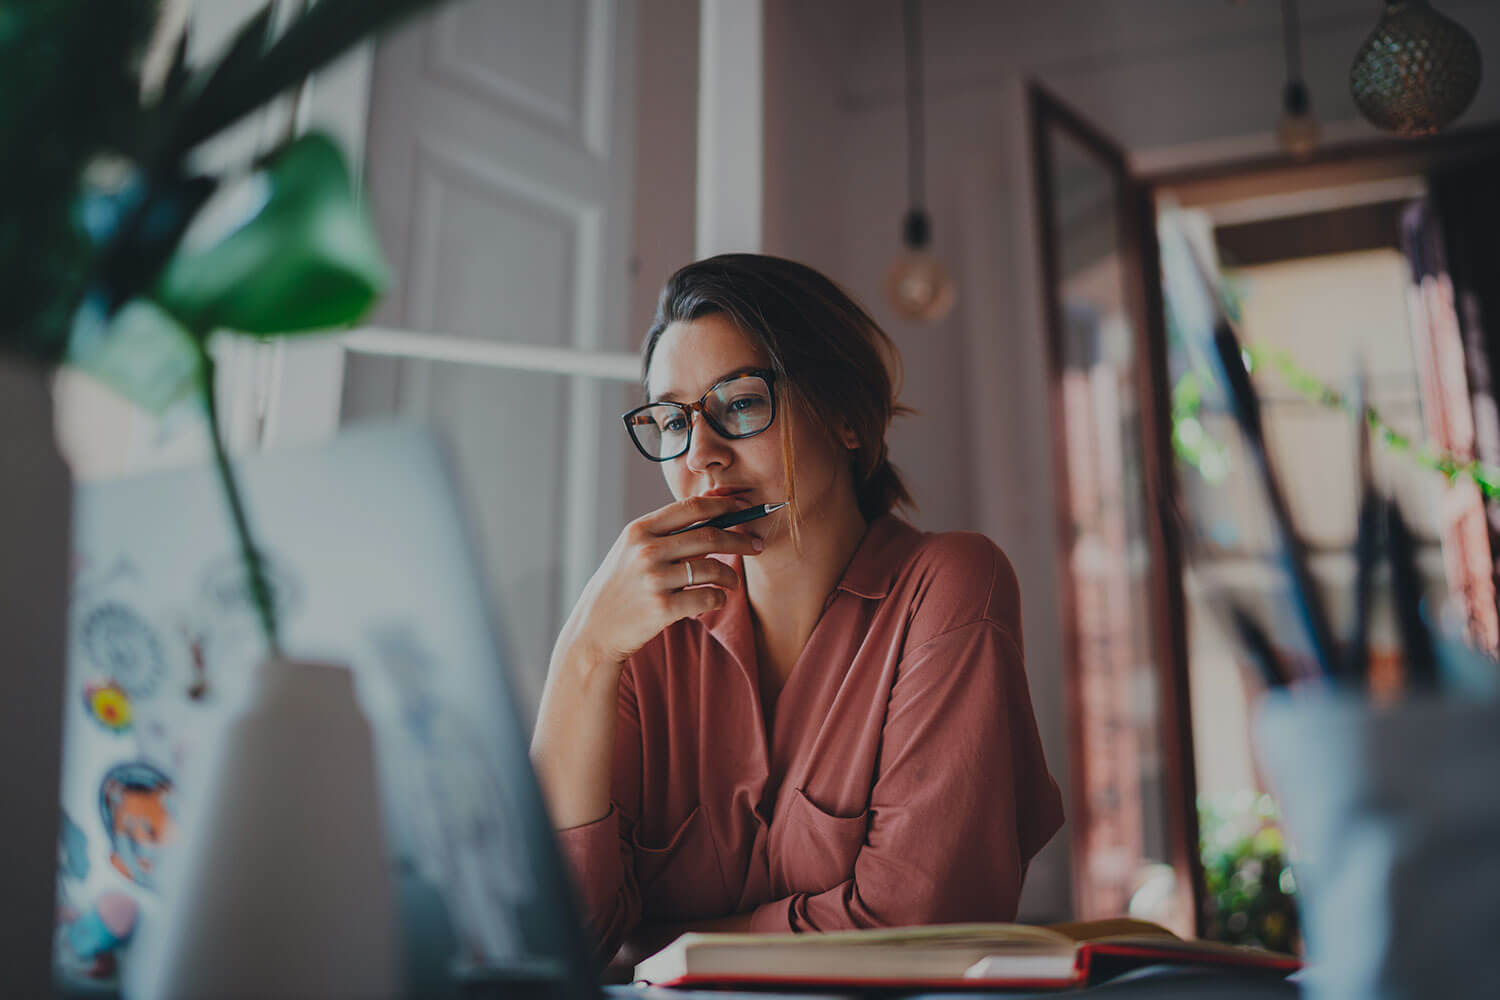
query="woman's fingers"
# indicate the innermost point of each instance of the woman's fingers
(673, 576)
(697, 572)
(698, 600)
(704, 541)
(681, 513)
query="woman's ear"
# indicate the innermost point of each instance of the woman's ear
(847, 437)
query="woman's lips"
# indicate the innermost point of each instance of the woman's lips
(727, 491)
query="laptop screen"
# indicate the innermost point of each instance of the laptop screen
(370, 566)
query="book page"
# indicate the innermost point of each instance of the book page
(933, 936)
(1093, 930)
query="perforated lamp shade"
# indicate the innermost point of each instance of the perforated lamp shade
(1417, 72)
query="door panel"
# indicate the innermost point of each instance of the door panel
(499, 167)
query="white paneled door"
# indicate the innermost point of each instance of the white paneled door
(498, 162)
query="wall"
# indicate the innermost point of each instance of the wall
(666, 172)
(1195, 81)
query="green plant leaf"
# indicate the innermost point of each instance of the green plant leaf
(243, 51)
(140, 352)
(239, 84)
(178, 73)
(294, 253)
(67, 93)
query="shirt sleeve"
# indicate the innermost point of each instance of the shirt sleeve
(599, 854)
(961, 802)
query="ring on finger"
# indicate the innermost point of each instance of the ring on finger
(689, 566)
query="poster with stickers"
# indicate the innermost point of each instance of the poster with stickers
(369, 566)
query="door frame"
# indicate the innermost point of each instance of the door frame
(1137, 239)
(1369, 162)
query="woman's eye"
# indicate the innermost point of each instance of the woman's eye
(746, 403)
(674, 425)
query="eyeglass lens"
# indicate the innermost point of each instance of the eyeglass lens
(737, 408)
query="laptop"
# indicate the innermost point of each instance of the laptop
(371, 565)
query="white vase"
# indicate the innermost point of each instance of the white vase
(282, 886)
(35, 543)
(1392, 811)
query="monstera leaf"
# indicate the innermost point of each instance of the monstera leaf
(141, 352)
(122, 258)
(291, 251)
(287, 249)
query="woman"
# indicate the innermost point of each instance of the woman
(812, 721)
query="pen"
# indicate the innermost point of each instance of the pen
(1244, 405)
(1406, 588)
(734, 517)
(1366, 543)
(1262, 653)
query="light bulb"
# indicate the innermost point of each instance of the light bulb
(1298, 134)
(917, 286)
(1298, 130)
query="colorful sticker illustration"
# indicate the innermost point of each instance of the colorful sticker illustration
(223, 623)
(135, 800)
(198, 659)
(88, 942)
(124, 647)
(108, 705)
(225, 588)
(72, 850)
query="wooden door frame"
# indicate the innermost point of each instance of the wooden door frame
(1137, 240)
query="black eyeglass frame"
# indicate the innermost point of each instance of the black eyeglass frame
(688, 409)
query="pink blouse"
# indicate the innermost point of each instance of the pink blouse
(900, 780)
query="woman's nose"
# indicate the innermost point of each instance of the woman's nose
(706, 449)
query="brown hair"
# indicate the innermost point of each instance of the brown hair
(831, 359)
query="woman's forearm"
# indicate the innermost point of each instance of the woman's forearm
(572, 747)
(648, 939)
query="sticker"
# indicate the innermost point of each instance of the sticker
(124, 647)
(198, 659)
(72, 849)
(135, 800)
(225, 588)
(88, 942)
(89, 577)
(223, 625)
(108, 705)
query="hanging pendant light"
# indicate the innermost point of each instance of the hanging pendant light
(918, 286)
(1417, 72)
(1298, 130)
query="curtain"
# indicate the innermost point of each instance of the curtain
(1451, 239)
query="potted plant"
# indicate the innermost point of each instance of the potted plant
(123, 259)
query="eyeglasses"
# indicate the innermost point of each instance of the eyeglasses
(739, 407)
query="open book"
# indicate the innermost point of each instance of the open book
(944, 956)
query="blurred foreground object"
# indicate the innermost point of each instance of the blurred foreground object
(35, 510)
(1396, 821)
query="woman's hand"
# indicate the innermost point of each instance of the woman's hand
(643, 585)
(652, 578)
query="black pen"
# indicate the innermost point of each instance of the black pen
(1244, 406)
(1262, 653)
(734, 517)
(1418, 657)
(1366, 542)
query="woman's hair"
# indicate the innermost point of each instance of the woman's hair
(831, 359)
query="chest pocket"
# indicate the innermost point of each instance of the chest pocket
(681, 879)
(813, 850)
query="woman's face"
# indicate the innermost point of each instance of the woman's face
(690, 358)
